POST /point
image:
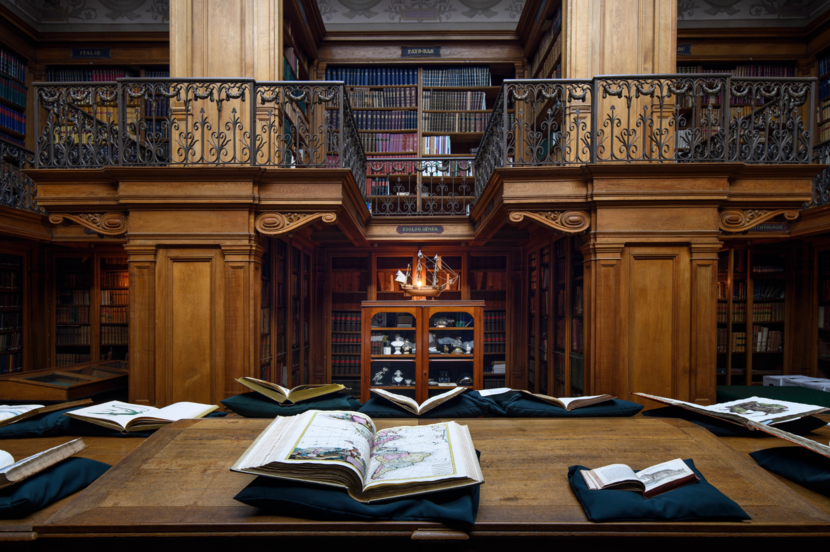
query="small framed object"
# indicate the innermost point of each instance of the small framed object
(379, 320)
(443, 376)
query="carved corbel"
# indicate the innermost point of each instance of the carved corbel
(570, 222)
(274, 224)
(737, 220)
(108, 224)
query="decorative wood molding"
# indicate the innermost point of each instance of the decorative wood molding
(738, 220)
(274, 224)
(109, 224)
(570, 222)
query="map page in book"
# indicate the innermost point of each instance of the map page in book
(343, 449)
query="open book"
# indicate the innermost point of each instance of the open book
(18, 471)
(651, 481)
(568, 403)
(410, 405)
(344, 449)
(292, 396)
(127, 417)
(13, 414)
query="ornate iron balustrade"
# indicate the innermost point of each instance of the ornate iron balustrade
(16, 189)
(191, 122)
(420, 186)
(821, 183)
(648, 118)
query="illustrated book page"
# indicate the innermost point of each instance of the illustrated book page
(651, 481)
(125, 416)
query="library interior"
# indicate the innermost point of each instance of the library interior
(487, 203)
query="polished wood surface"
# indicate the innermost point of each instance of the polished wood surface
(179, 483)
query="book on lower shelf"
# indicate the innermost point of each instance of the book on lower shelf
(344, 449)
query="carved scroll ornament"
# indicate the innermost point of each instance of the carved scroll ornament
(273, 224)
(109, 224)
(570, 222)
(736, 220)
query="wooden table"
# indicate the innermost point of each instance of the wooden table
(178, 484)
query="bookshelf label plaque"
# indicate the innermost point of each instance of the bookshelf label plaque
(91, 53)
(684, 49)
(771, 227)
(434, 229)
(420, 51)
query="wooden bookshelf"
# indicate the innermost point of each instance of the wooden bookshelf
(488, 281)
(349, 277)
(113, 307)
(12, 310)
(74, 293)
(266, 316)
(14, 92)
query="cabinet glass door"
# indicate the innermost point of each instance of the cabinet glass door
(451, 351)
(393, 350)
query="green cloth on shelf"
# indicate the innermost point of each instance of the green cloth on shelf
(49, 486)
(256, 405)
(800, 465)
(699, 501)
(802, 395)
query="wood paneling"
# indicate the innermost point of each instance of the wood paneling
(142, 347)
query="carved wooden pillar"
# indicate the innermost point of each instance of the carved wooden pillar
(142, 345)
(243, 295)
(703, 336)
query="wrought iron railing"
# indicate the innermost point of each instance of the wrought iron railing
(420, 187)
(191, 122)
(648, 118)
(16, 189)
(821, 182)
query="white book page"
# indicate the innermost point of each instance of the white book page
(490, 392)
(394, 397)
(6, 459)
(416, 454)
(568, 400)
(316, 437)
(666, 472)
(180, 411)
(117, 412)
(439, 398)
(614, 473)
(762, 410)
(7, 411)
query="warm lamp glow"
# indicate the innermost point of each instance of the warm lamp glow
(419, 283)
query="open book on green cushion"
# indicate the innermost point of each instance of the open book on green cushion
(282, 394)
(344, 449)
(127, 417)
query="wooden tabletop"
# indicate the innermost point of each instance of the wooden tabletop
(178, 482)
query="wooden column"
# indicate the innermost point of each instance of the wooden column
(142, 346)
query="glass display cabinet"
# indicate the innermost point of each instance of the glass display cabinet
(65, 383)
(421, 348)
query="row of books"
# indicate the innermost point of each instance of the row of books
(157, 73)
(345, 321)
(738, 291)
(578, 298)
(379, 186)
(494, 344)
(768, 290)
(544, 43)
(723, 340)
(10, 321)
(12, 139)
(115, 335)
(723, 262)
(751, 70)
(115, 279)
(114, 264)
(765, 340)
(12, 120)
(345, 365)
(457, 76)
(72, 315)
(577, 343)
(768, 312)
(577, 375)
(9, 279)
(455, 122)
(12, 65)
(494, 383)
(72, 335)
(349, 281)
(86, 75)
(9, 300)
(824, 132)
(823, 318)
(446, 100)
(382, 142)
(265, 354)
(738, 342)
(13, 91)
(341, 343)
(373, 76)
(437, 145)
(73, 297)
(824, 111)
(824, 65)
(14, 261)
(115, 297)
(73, 279)
(158, 107)
(388, 97)
(495, 321)
(383, 120)
(115, 315)
(10, 364)
(265, 321)
(769, 269)
(68, 359)
(11, 342)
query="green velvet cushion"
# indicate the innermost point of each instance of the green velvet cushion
(461, 406)
(256, 405)
(55, 424)
(721, 428)
(523, 406)
(803, 466)
(495, 404)
(802, 395)
(305, 500)
(698, 501)
(49, 486)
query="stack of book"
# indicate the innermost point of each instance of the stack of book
(437, 145)
(388, 97)
(71, 336)
(765, 340)
(444, 100)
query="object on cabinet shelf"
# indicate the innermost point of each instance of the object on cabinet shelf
(282, 395)
(431, 277)
(465, 380)
(443, 322)
(398, 377)
(378, 378)
(443, 377)
(397, 344)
